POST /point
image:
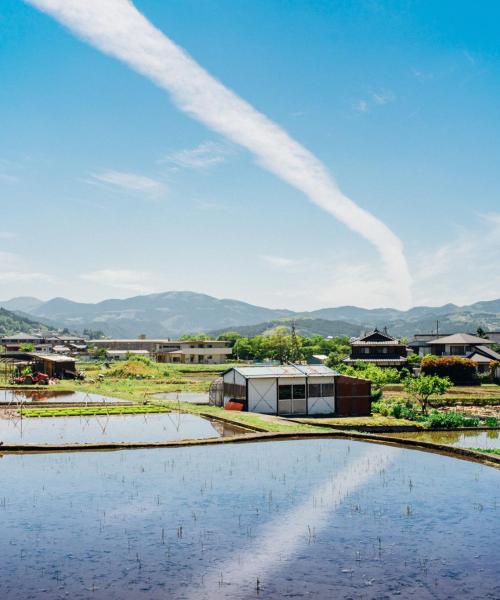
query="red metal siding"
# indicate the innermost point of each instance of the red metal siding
(352, 397)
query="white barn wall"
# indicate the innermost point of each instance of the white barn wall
(262, 394)
(321, 406)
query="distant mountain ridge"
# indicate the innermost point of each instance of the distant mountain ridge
(170, 314)
(12, 323)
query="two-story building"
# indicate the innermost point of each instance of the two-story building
(378, 348)
(468, 346)
(172, 351)
(14, 343)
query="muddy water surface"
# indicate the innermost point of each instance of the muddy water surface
(294, 519)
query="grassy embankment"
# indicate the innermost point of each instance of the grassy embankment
(488, 450)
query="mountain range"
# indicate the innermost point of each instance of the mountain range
(171, 314)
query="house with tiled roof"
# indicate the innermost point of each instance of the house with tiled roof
(378, 348)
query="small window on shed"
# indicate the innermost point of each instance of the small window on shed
(327, 390)
(285, 392)
(299, 392)
(315, 390)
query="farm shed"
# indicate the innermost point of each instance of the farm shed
(55, 365)
(290, 390)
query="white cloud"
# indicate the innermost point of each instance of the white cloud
(6, 178)
(13, 269)
(130, 182)
(204, 156)
(140, 282)
(7, 235)
(361, 106)
(209, 205)
(464, 269)
(282, 263)
(383, 97)
(379, 98)
(118, 29)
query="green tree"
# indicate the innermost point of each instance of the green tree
(480, 332)
(280, 344)
(26, 347)
(295, 346)
(243, 349)
(423, 387)
(230, 336)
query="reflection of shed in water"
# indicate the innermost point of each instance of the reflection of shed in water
(62, 367)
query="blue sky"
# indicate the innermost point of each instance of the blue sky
(108, 190)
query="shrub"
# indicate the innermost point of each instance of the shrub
(461, 371)
(423, 387)
(491, 422)
(395, 408)
(450, 420)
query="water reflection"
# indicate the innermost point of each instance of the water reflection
(46, 396)
(464, 439)
(311, 518)
(156, 427)
(194, 397)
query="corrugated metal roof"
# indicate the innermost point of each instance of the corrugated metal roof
(51, 357)
(285, 371)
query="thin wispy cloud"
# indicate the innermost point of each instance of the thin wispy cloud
(117, 28)
(380, 98)
(129, 182)
(13, 269)
(361, 106)
(471, 256)
(9, 179)
(383, 97)
(205, 156)
(209, 205)
(281, 262)
(7, 235)
(139, 282)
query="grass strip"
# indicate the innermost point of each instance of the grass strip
(488, 450)
(93, 410)
(241, 418)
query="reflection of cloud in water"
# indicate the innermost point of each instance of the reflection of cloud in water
(285, 535)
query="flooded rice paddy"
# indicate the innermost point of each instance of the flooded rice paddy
(194, 397)
(463, 439)
(153, 427)
(295, 519)
(45, 395)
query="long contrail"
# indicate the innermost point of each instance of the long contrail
(117, 28)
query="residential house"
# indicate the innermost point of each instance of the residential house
(172, 351)
(378, 348)
(467, 346)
